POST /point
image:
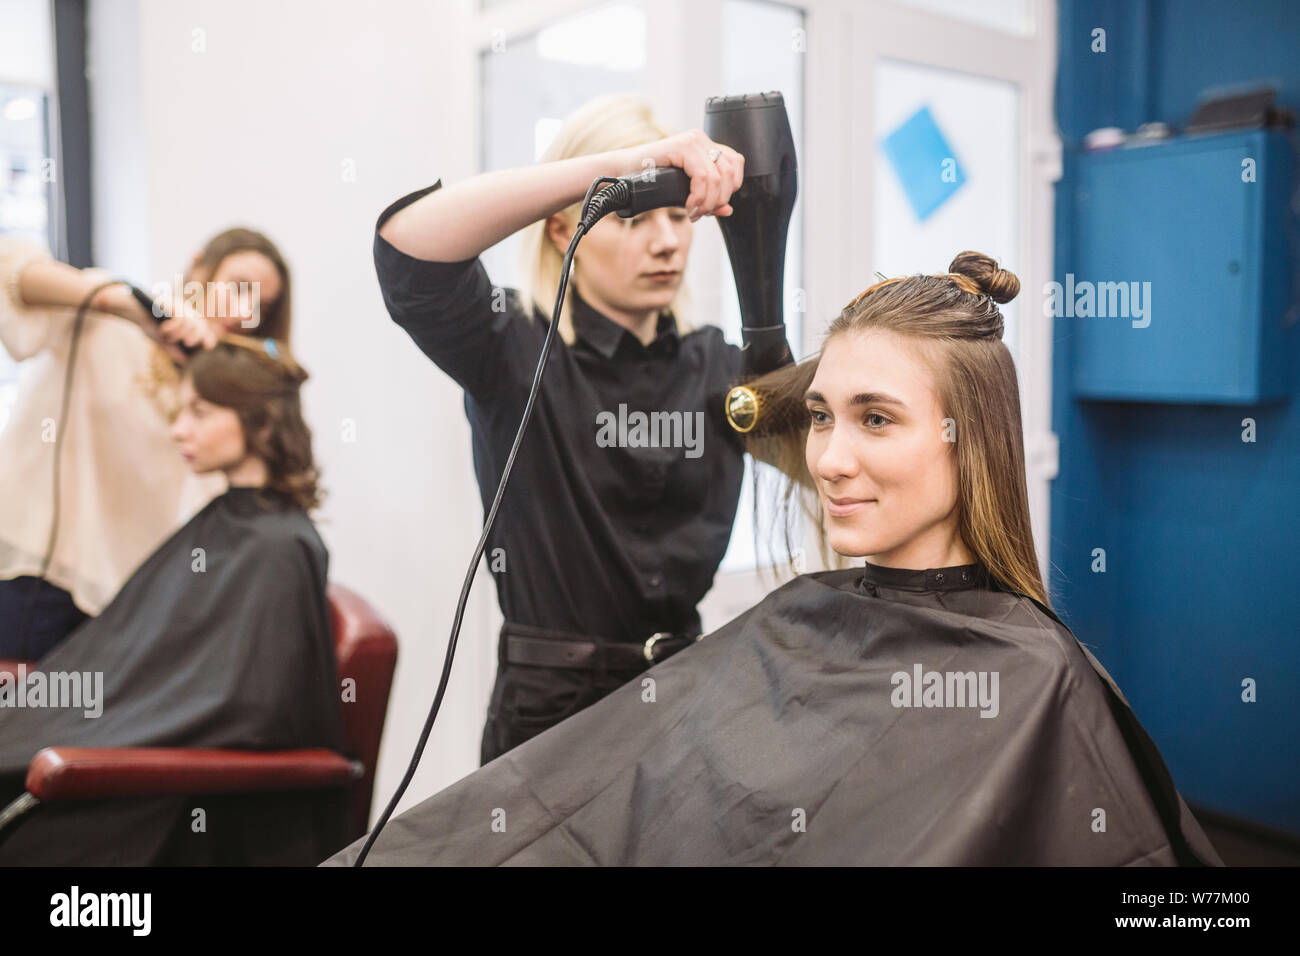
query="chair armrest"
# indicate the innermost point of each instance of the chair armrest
(85, 773)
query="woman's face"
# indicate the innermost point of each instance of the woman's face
(877, 453)
(208, 436)
(633, 265)
(245, 284)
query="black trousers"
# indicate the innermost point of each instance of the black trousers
(35, 617)
(527, 700)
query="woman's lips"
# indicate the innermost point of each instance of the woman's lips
(842, 507)
(667, 276)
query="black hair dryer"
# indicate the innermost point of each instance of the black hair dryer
(756, 126)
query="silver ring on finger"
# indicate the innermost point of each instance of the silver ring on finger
(714, 154)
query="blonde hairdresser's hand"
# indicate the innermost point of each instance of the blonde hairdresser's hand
(711, 183)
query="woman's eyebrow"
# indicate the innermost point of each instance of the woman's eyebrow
(862, 398)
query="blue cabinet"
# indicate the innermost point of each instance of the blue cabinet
(1183, 281)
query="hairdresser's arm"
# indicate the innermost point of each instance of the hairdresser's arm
(460, 221)
(53, 283)
(50, 283)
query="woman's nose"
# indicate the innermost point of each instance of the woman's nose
(664, 235)
(837, 458)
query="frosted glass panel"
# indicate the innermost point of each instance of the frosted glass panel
(947, 173)
(536, 81)
(26, 43)
(1010, 16)
(26, 181)
(763, 50)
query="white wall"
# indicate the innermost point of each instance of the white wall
(253, 121)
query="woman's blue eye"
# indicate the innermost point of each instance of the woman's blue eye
(813, 413)
(883, 420)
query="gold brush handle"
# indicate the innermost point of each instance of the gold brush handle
(743, 406)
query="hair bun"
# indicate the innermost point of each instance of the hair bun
(998, 284)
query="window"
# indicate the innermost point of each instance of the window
(1009, 16)
(26, 164)
(948, 173)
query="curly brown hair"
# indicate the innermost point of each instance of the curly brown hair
(259, 380)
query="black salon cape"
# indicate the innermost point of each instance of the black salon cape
(239, 655)
(774, 741)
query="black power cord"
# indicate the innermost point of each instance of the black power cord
(616, 197)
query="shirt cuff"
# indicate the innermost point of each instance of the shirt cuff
(402, 273)
(406, 201)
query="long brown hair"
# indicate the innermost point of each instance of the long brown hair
(956, 319)
(275, 321)
(259, 380)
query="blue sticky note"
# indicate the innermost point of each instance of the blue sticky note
(925, 164)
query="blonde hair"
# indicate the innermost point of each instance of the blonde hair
(603, 124)
(955, 317)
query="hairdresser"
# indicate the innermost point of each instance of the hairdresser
(97, 396)
(608, 536)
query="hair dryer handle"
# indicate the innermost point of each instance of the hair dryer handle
(656, 186)
(153, 308)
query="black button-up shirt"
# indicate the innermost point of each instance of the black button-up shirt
(599, 532)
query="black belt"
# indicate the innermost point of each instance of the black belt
(544, 647)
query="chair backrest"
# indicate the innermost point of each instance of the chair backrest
(367, 655)
(366, 648)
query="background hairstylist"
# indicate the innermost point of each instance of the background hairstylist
(122, 487)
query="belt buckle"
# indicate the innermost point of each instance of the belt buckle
(649, 648)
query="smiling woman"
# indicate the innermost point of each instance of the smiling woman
(927, 709)
(879, 461)
(909, 430)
